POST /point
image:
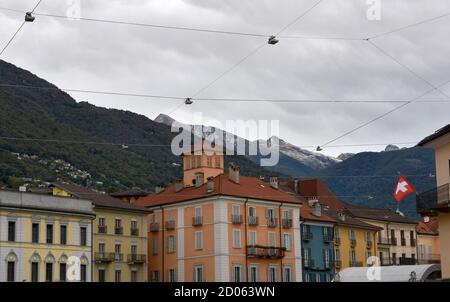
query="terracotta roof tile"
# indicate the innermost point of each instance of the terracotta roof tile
(428, 228)
(379, 214)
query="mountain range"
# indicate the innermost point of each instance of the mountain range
(45, 136)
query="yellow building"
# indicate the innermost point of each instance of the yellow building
(40, 235)
(436, 202)
(355, 241)
(119, 236)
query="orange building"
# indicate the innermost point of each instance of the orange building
(216, 227)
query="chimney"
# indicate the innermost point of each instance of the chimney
(312, 201)
(233, 173)
(179, 185)
(274, 182)
(296, 186)
(426, 219)
(210, 185)
(159, 189)
(199, 179)
(341, 216)
(317, 209)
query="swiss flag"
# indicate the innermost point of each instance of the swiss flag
(403, 189)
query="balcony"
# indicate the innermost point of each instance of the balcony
(327, 238)
(393, 241)
(337, 240)
(308, 263)
(384, 241)
(170, 225)
(103, 257)
(197, 221)
(369, 244)
(267, 252)
(118, 230)
(118, 257)
(286, 223)
(307, 236)
(102, 229)
(338, 263)
(435, 200)
(352, 242)
(272, 222)
(253, 220)
(136, 258)
(355, 264)
(236, 219)
(429, 259)
(154, 227)
(134, 232)
(412, 242)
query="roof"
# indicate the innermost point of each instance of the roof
(350, 221)
(99, 199)
(379, 214)
(397, 273)
(133, 192)
(248, 187)
(441, 132)
(428, 228)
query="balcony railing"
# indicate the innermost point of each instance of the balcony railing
(384, 241)
(136, 258)
(328, 238)
(352, 242)
(338, 263)
(154, 227)
(118, 230)
(393, 241)
(429, 259)
(253, 220)
(287, 223)
(412, 242)
(197, 221)
(102, 229)
(308, 263)
(337, 240)
(307, 235)
(355, 264)
(257, 251)
(103, 257)
(434, 200)
(272, 222)
(134, 232)
(170, 225)
(236, 219)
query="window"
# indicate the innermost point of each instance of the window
(307, 278)
(352, 257)
(198, 161)
(11, 231)
(198, 212)
(272, 277)
(171, 215)
(287, 241)
(172, 275)
(237, 273)
(118, 226)
(48, 272)
(271, 214)
(252, 238)
(236, 210)
(63, 234)
(217, 162)
(254, 273)
(306, 254)
(10, 275)
(101, 275)
(209, 161)
(133, 249)
(83, 272)
(327, 257)
(327, 278)
(251, 211)
(352, 234)
(287, 274)
(171, 244)
(155, 276)
(101, 247)
(133, 276)
(199, 273)
(83, 236)
(272, 239)
(287, 214)
(337, 234)
(236, 238)
(325, 231)
(35, 232)
(101, 221)
(198, 240)
(394, 258)
(368, 237)
(134, 224)
(62, 272)
(118, 275)
(337, 254)
(49, 233)
(118, 252)
(155, 245)
(34, 272)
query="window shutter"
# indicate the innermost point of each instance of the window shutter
(267, 213)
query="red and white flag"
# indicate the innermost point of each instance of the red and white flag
(403, 189)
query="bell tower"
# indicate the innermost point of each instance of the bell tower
(200, 164)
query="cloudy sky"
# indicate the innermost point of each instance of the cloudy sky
(136, 59)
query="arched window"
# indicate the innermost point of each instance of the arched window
(11, 260)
